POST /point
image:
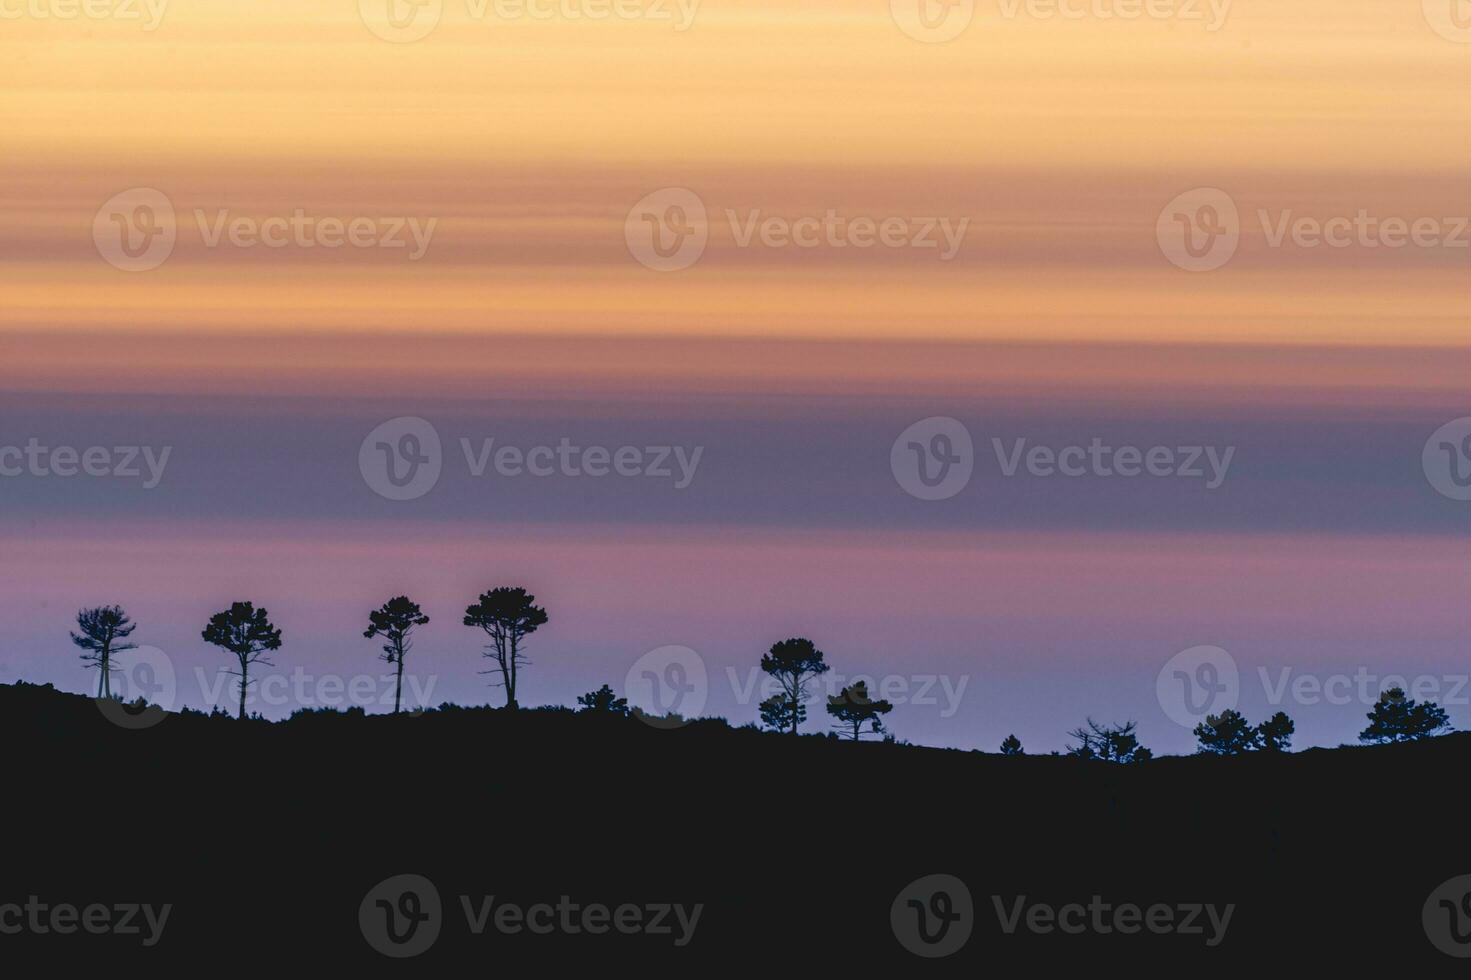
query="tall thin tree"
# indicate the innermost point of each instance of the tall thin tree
(793, 663)
(395, 621)
(508, 616)
(246, 632)
(104, 631)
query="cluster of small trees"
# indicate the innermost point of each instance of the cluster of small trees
(508, 615)
(1394, 718)
(1101, 743)
(794, 664)
(1229, 733)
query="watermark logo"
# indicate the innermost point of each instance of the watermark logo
(933, 916)
(1446, 459)
(1447, 917)
(1197, 682)
(1451, 19)
(401, 21)
(144, 689)
(667, 230)
(401, 916)
(135, 230)
(933, 459)
(1198, 231)
(402, 458)
(932, 21)
(667, 686)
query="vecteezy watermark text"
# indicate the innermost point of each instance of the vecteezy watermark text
(938, 21)
(839, 231)
(919, 690)
(403, 458)
(137, 229)
(118, 462)
(1200, 230)
(149, 12)
(934, 916)
(568, 459)
(301, 689)
(302, 230)
(1102, 918)
(406, 21)
(1100, 459)
(40, 918)
(571, 918)
(1211, 14)
(933, 459)
(1205, 680)
(402, 916)
(668, 230)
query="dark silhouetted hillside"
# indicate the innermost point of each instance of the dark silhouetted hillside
(267, 837)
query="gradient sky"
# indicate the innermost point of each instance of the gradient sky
(527, 141)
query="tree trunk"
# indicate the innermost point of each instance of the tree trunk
(508, 671)
(399, 690)
(243, 669)
(105, 662)
(511, 677)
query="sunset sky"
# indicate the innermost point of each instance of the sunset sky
(522, 147)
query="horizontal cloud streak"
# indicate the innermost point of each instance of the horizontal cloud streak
(791, 460)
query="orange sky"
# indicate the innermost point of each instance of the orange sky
(528, 140)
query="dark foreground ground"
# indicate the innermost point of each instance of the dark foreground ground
(272, 843)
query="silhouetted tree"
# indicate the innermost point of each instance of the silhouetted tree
(246, 632)
(1275, 734)
(1108, 743)
(793, 663)
(395, 621)
(779, 713)
(1011, 745)
(507, 616)
(1396, 718)
(1227, 733)
(603, 701)
(853, 709)
(104, 631)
